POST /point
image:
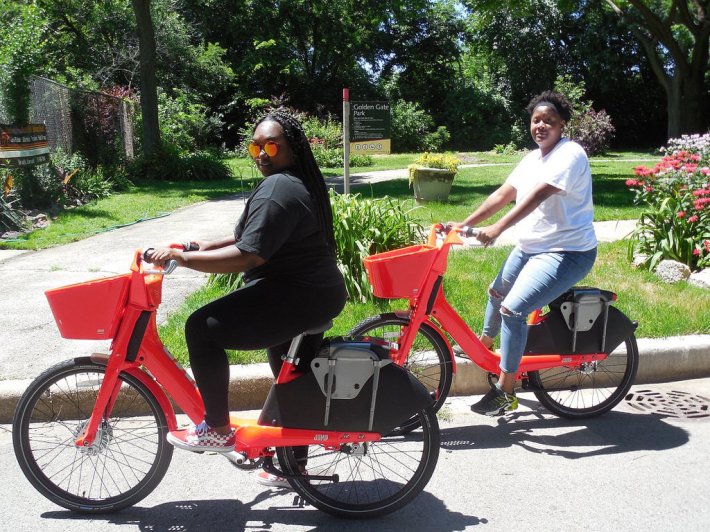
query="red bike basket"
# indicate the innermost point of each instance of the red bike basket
(90, 310)
(398, 274)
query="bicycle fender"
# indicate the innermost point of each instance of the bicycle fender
(153, 387)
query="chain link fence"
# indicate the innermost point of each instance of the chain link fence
(98, 125)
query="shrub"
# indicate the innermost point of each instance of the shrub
(362, 227)
(185, 122)
(592, 130)
(676, 193)
(334, 157)
(436, 140)
(366, 226)
(410, 125)
(168, 164)
(327, 132)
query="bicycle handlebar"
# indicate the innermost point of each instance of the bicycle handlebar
(168, 267)
(465, 230)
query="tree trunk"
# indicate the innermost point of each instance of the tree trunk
(686, 111)
(148, 81)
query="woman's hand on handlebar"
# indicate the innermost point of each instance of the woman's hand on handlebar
(160, 255)
(487, 235)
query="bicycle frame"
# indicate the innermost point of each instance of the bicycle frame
(138, 351)
(430, 305)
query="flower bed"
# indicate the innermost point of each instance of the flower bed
(676, 194)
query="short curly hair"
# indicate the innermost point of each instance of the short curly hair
(554, 99)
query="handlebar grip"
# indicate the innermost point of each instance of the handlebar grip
(469, 231)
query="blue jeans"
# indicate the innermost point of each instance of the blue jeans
(525, 282)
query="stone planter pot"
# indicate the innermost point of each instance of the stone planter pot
(432, 184)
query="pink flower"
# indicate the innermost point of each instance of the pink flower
(681, 214)
(696, 252)
(705, 170)
(693, 219)
(632, 182)
(690, 168)
(701, 192)
(648, 188)
(642, 171)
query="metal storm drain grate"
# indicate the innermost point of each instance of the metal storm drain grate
(672, 404)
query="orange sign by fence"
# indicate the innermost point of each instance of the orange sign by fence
(23, 146)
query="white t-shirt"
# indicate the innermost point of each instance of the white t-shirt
(563, 222)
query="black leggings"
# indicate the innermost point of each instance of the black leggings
(266, 313)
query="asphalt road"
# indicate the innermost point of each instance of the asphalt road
(643, 466)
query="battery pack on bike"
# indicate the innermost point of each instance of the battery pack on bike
(353, 385)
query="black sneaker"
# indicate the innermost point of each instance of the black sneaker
(495, 403)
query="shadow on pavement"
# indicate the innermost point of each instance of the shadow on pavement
(612, 433)
(426, 512)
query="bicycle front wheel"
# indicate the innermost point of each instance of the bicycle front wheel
(429, 358)
(589, 389)
(127, 459)
(375, 478)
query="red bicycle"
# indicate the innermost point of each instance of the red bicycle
(89, 433)
(571, 363)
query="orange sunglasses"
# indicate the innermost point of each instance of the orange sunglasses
(270, 148)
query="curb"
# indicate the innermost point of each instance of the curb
(660, 360)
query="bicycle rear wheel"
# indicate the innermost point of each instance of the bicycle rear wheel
(589, 389)
(127, 459)
(429, 359)
(375, 478)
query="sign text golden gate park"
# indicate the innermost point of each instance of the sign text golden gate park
(22, 146)
(370, 126)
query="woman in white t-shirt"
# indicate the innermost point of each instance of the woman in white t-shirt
(557, 247)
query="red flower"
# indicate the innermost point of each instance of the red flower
(642, 171)
(681, 214)
(648, 188)
(693, 219)
(696, 252)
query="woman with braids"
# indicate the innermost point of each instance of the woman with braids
(553, 213)
(284, 245)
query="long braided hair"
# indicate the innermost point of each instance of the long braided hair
(306, 169)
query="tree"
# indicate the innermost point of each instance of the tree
(675, 35)
(148, 80)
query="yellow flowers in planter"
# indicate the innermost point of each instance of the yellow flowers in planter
(441, 161)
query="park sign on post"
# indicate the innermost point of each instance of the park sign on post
(22, 146)
(370, 127)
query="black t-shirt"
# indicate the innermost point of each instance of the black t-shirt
(280, 224)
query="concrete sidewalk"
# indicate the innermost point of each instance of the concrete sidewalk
(30, 342)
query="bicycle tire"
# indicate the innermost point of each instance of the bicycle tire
(128, 459)
(588, 390)
(429, 359)
(363, 491)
